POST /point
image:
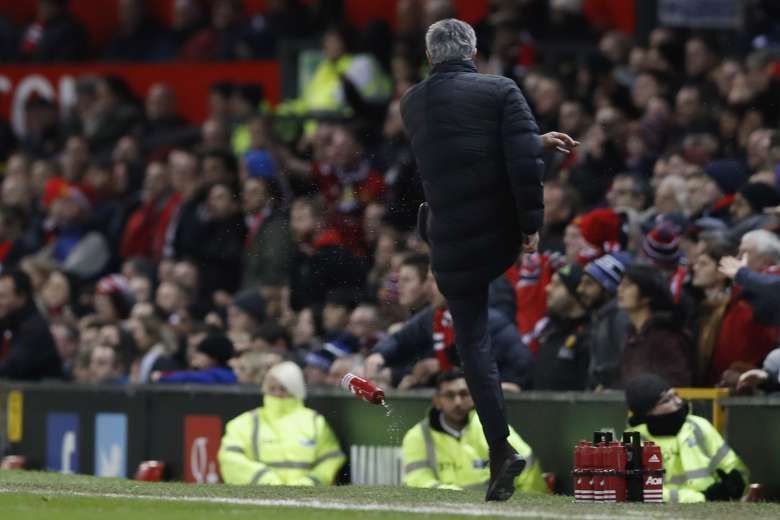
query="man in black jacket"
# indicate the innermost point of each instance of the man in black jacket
(27, 349)
(562, 358)
(479, 151)
(427, 336)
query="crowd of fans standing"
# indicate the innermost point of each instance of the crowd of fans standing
(153, 249)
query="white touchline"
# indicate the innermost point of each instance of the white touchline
(461, 509)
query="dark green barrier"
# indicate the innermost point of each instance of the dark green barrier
(753, 430)
(156, 416)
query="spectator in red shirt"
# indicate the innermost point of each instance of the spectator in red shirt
(348, 183)
(147, 225)
(728, 332)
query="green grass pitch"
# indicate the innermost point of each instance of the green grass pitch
(33, 495)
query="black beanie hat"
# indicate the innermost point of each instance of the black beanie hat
(570, 276)
(760, 195)
(251, 302)
(728, 174)
(217, 347)
(642, 394)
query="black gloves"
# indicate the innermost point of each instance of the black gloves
(729, 487)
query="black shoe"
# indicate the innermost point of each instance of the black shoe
(503, 472)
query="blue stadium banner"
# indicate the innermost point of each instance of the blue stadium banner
(62, 442)
(111, 445)
(705, 14)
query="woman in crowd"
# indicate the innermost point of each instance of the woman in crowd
(658, 342)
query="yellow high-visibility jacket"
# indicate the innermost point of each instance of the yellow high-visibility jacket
(324, 92)
(691, 459)
(280, 443)
(433, 458)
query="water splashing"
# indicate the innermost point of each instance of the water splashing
(394, 432)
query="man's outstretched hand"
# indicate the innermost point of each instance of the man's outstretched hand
(559, 141)
(530, 243)
(729, 265)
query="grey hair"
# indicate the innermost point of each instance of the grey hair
(767, 244)
(450, 39)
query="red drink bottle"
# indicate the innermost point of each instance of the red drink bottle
(363, 389)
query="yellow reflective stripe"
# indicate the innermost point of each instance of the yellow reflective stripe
(414, 466)
(430, 449)
(290, 464)
(330, 455)
(255, 436)
(256, 478)
(529, 461)
(690, 475)
(699, 434)
(721, 454)
(235, 449)
(674, 496)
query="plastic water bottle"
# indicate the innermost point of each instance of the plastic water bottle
(363, 389)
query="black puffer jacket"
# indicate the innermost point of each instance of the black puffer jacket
(478, 150)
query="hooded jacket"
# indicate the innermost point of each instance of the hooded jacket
(280, 443)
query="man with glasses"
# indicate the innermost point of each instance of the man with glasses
(447, 449)
(699, 465)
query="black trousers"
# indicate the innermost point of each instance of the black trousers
(470, 321)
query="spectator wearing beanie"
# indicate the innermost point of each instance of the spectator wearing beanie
(339, 303)
(601, 232)
(298, 446)
(747, 210)
(246, 312)
(661, 247)
(657, 342)
(609, 325)
(210, 364)
(699, 464)
(317, 363)
(712, 193)
(562, 356)
(728, 174)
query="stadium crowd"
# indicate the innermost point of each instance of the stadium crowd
(138, 247)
